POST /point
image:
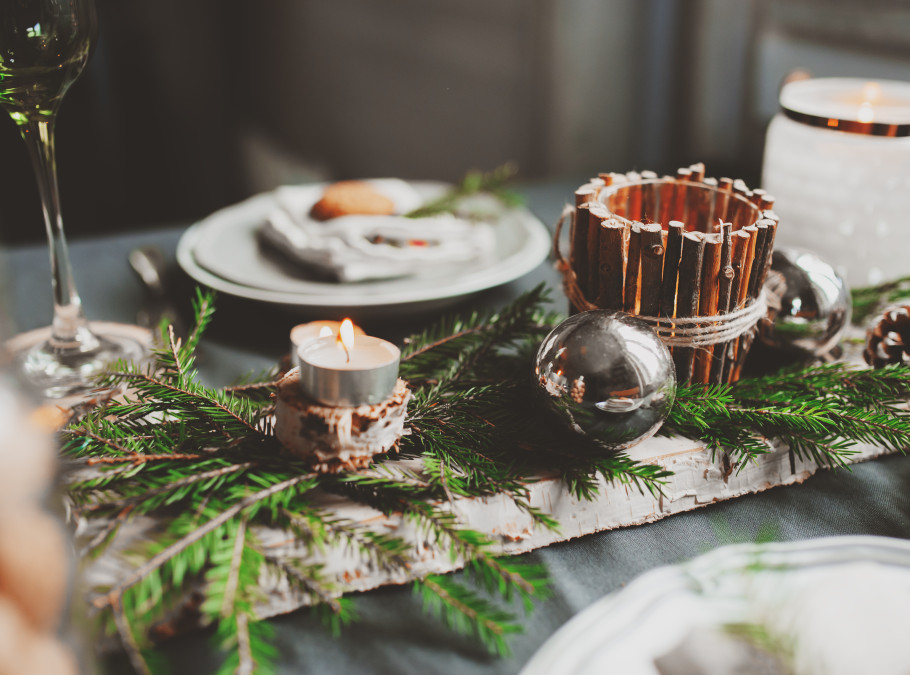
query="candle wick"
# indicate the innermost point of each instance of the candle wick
(347, 354)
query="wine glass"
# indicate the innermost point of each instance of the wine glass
(44, 45)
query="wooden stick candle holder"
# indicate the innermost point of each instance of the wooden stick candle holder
(687, 254)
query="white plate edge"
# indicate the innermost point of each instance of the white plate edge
(534, 251)
(560, 651)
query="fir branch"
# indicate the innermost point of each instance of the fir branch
(139, 458)
(308, 579)
(111, 444)
(471, 546)
(149, 597)
(579, 471)
(237, 626)
(871, 299)
(128, 638)
(856, 386)
(232, 586)
(473, 425)
(212, 407)
(474, 182)
(245, 661)
(531, 579)
(253, 388)
(233, 576)
(447, 350)
(503, 327)
(164, 490)
(335, 618)
(107, 533)
(313, 525)
(465, 431)
(253, 651)
(471, 430)
(465, 612)
(257, 386)
(332, 608)
(449, 336)
(203, 312)
(197, 534)
(821, 412)
(830, 452)
(181, 359)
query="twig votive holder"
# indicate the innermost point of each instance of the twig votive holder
(687, 254)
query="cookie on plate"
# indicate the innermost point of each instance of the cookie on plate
(349, 198)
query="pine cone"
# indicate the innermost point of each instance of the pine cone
(888, 339)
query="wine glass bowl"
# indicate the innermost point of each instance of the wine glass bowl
(44, 46)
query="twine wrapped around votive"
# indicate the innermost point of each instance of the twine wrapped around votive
(704, 331)
(687, 254)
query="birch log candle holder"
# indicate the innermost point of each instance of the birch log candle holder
(687, 254)
(337, 438)
(344, 402)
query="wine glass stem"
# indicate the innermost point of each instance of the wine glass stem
(69, 328)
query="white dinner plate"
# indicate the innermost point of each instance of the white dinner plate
(247, 269)
(843, 602)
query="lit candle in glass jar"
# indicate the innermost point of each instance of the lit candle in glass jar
(348, 370)
(837, 161)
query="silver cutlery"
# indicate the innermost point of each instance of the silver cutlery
(149, 264)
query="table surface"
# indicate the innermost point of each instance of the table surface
(393, 634)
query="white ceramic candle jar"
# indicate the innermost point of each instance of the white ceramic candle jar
(837, 161)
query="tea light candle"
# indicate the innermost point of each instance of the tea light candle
(304, 332)
(348, 370)
(837, 160)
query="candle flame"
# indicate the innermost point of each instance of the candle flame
(346, 336)
(865, 114)
(325, 331)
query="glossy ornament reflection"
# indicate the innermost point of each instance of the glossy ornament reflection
(607, 376)
(814, 305)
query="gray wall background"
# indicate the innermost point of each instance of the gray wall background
(187, 107)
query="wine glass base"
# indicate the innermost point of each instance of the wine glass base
(52, 372)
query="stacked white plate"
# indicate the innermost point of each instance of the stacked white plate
(224, 252)
(830, 606)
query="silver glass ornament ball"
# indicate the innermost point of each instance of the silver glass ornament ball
(607, 376)
(814, 305)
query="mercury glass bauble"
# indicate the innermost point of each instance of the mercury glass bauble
(814, 304)
(608, 376)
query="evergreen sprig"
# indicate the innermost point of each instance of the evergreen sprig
(494, 183)
(206, 463)
(820, 412)
(465, 611)
(871, 299)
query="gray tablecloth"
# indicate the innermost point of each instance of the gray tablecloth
(393, 634)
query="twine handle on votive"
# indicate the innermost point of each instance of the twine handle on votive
(569, 279)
